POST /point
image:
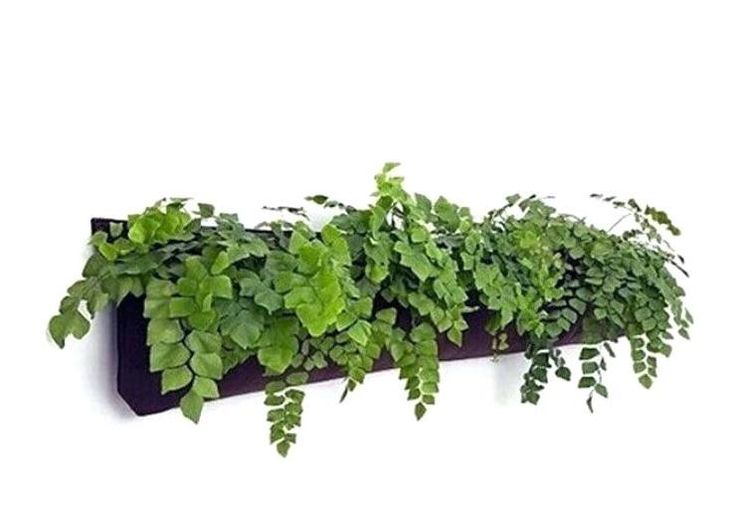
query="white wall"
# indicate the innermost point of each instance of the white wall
(107, 106)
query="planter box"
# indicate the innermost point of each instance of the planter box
(141, 388)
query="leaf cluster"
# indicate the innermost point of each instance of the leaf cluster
(296, 299)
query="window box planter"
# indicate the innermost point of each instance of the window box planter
(141, 389)
(207, 308)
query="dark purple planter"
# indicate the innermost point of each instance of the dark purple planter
(141, 388)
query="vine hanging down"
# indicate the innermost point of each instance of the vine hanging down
(217, 294)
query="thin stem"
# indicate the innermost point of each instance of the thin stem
(618, 222)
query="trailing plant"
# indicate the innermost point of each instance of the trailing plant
(295, 299)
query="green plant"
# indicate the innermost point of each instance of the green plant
(296, 300)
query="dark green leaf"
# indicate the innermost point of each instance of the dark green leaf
(586, 382)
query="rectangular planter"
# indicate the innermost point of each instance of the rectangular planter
(141, 389)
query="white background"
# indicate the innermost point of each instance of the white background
(108, 106)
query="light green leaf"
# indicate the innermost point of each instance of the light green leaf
(165, 355)
(205, 387)
(221, 262)
(297, 296)
(159, 289)
(278, 344)
(207, 365)
(182, 307)
(360, 332)
(191, 405)
(199, 341)
(164, 331)
(187, 286)
(244, 329)
(156, 308)
(222, 287)
(175, 378)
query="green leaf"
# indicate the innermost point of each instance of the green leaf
(244, 329)
(339, 249)
(164, 355)
(298, 296)
(577, 252)
(269, 299)
(646, 381)
(138, 233)
(116, 229)
(362, 307)
(108, 251)
(586, 382)
(422, 332)
(199, 341)
(317, 199)
(175, 378)
(297, 378)
(447, 212)
(68, 323)
(455, 336)
(154, 308)
(182, 306)
(578, 305)
(202, 320)
(221, 262)
(191, 405)
(387, 315)
(344, 320)
(419, 235)
(588, 353)
(207, 365)
(564, 373)
(570, 315)
(314, 318)
(419, 410)
(195, 269)
(590, 367)
(187, 286)
(205, 210)
(601, 390)
(164, 331)
(273, 387)
(222, 287)
(282, 447)
(278, 344)
(205, 387)
(159, 289)
(360, 332)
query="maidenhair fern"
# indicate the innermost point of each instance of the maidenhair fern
(296, 300)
